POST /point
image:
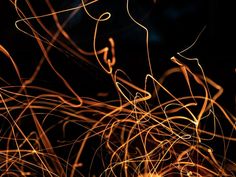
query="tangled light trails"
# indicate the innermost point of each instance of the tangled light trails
(146, 131)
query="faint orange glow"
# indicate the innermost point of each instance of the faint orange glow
(142, 139)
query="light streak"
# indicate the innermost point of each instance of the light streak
(137, 136)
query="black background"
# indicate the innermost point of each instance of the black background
(173, 26)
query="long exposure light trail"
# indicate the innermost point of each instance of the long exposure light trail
(141, 131)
